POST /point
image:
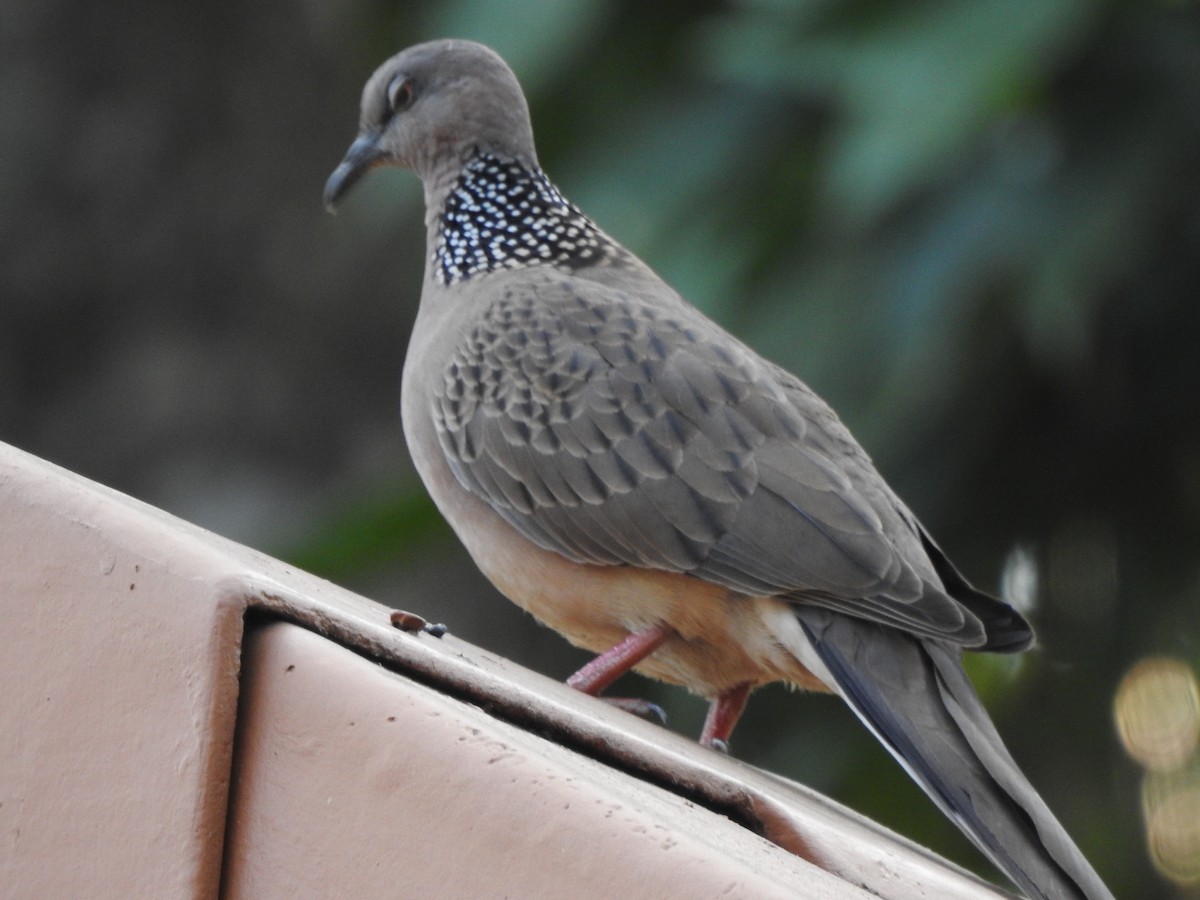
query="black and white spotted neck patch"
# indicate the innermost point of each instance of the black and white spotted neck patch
(505, 215)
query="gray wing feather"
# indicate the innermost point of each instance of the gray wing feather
(617, 433)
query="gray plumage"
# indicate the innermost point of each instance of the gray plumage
(613, 432)
(582, 427)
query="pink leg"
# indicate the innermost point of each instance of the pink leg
(723, 714)
(616, 661)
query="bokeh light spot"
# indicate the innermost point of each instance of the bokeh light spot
(1171, 805)
(1157, 711)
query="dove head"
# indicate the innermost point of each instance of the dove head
(430, 108)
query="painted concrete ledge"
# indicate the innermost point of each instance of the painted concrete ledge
(181, 716)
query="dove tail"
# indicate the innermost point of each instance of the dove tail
(916, 698)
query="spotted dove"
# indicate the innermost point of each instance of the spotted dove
(650, 487)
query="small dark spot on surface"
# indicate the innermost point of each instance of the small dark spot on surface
(391, 718)
(289, 668)
(407, 621)
(131, 585)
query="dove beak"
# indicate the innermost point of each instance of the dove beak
(364, 154)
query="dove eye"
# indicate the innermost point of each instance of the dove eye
(400, 94)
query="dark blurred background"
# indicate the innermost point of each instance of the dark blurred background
(973, 227)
